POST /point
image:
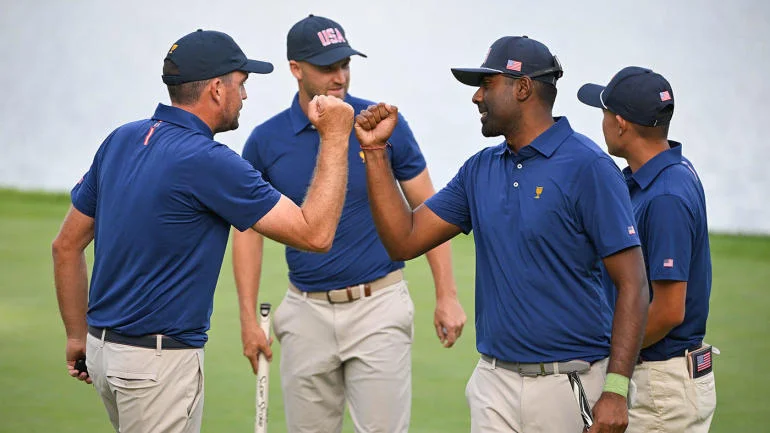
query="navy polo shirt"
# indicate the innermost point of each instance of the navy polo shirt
(670, 209)
(542, 221)
(284, 149)
(163, 195)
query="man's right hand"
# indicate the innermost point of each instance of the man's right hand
(331, 116)
(254, 342)
(76, 349)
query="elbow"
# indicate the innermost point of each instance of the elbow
(674, 319)
(57, 248)
(320, 244)
(400, 254)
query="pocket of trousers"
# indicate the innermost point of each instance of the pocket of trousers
(131, 367)
(706, 396)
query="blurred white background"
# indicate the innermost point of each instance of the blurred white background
(75, 70)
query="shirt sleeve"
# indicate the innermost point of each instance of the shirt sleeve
(451, 202)
(604, 208)
(406, 158)
(84, 193)
(668, 238)
(230, 187)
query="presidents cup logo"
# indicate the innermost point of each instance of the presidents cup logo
(262, 408)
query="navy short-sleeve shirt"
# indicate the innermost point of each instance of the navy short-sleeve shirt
(284, 149)
(670, 208)
(542, 221)
(163, 195)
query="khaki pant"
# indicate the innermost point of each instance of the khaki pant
(148, 390)
(504, 401)
(358, 351)
(667, 400)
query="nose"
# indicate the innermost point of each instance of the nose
(478, 96)
(339, 76)
(243, 94)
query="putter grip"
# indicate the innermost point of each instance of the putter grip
(80, 365)
(263, 374)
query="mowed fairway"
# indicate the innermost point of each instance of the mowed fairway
(38, 396)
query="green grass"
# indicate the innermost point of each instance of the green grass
(38, 396)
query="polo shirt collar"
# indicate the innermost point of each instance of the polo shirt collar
(299, 120)
(652, 168)
(182, 118)
(547, 142)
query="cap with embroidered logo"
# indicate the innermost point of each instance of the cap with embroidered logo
(205, 54)
(515, 56)
(637, 94)
(318, 41)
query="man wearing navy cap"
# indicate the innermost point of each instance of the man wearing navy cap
(674, 380)
(345, 325)
(158, 202)
(546, 207)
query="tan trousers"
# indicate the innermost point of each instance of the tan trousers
(667, 400)
(504, 401)
(148, 390)
(358, 351)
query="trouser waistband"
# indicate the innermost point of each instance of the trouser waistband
(540, 368)
(146, 341)
(352, 293)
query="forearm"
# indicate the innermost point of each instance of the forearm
(391, 213)
(71, 280)
(440, 261)
(325, 198)
(247, 270)
(628, 327)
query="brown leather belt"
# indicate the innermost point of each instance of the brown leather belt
(352, 293)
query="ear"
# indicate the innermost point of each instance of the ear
(622, 125)
(523, 88)
(296, 69)
(216, 89)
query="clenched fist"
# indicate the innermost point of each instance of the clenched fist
(375, 125)
(331, 116)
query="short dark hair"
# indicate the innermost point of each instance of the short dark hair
(546, 92)
(655, 132)
(185, 93)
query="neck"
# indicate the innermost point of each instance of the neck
(304, 101)
(528, 130)
(207, 116)
(643, 151)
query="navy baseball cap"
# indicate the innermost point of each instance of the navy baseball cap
(205, 54)
(318, 41)
(515, 56)
(638, 95)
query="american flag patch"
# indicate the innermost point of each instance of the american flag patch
(631, 230)
(665, 96)
(703, 362)
(699, 362)
(513, 65)
(668, 263)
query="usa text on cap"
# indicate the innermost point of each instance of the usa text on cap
(319, 41)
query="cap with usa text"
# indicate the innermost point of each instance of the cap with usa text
(318, 41)
(515, 56)
(205, 54)
(637, 94)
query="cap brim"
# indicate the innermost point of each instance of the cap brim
(591, 94)
(257, 67)
(333, 56)
(473, 76)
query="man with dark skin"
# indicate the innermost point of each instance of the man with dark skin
(546, 207)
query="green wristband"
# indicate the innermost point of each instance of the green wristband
(616, 383)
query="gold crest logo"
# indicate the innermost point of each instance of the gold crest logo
(173, 47)
(538, 191)
(363, 158)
